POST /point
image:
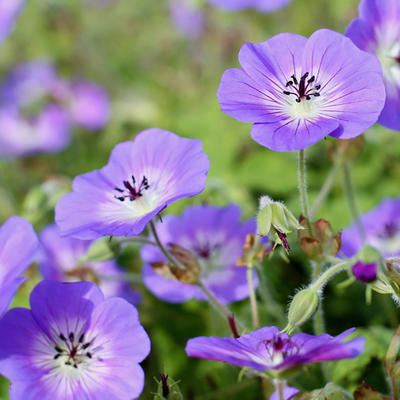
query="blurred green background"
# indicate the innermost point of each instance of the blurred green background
(158, 78)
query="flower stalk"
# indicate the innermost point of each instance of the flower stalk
(302, 178)
(253, 300)
(351, 200)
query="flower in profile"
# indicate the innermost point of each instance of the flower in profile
(188, 18)
(38, 109)
(73, 344)
(377, 31)
(9, 12)
(142, 177)
(296, 91)
(61, 259)
(214, 237)
(382, 229)
(267, 349)
(18, 244)
(259, 5)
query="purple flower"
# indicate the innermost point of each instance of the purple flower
(259, 5)
(216, 237)
(187, 19)
(18, 244)
(59, 260)
(297, 91)
(88, 105)
(267, 349)
(365, 272)
(73, 344)
(377, 31)
(9, 12)
(382, 228)
(142, 177)
(38, 110)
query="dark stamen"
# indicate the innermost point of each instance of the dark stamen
(57, 349)
(81, 338)
(71, 337)
(303, 89)
(62, 337)
(131, 192)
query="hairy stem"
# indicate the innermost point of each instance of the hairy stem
(328, 274)
(302, 179)
(166, 253)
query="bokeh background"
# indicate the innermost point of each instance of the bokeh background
(157, 76)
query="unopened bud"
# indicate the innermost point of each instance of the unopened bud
(302, 308)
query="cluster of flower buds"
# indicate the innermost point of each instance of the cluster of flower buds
(317, 239)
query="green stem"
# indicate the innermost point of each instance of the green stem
(166, 253)
(328, 274)
(305, 210)
(351, 199)
(280, 388)
(253, 300)
(224, 311)
(325, 190)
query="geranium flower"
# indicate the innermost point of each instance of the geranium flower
(73, 344)
(38, 110)
(377, 31)
(259, 5)
(60, 260)
(215, 237)
(267, 349)
(382, 230)
(9, 12)
(18, 244)
(141, 178)
(297, 91)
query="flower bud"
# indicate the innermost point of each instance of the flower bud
(319, 241)
(302, 308)
(365, 273)
(274, 218)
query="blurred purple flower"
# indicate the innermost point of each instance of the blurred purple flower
(73, 344)
(259, 5)
(18, 244)
(142, 177)
(267, 349)
(59, 260)
(365, 272)
(297, 91)
(38, 109)
(216, 237)
(377, 31)
(188, 19)
(88, 105)
(9, 12)
(288, 393)
(382, 228)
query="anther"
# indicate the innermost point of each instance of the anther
(57, 349)
(89, 355)
(62, 337)
(81, 338)
(71, 337)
